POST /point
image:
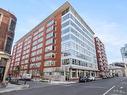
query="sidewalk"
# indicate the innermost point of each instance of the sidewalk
(12, 87)
(62, 82)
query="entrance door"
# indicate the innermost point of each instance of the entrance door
(2, 69)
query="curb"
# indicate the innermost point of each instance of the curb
(14, 89)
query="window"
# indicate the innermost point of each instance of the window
(65, 30)
(8, 45)
(38, 58)
(39, 51)
(65, 61)
(65, 11)
(41, 29)
(12, 25)
(49, 41)
(65, 24)
(33, 53)
(35, 65)
(39, 45)
(49, 48)
(65, 17)
(33, 59)
(49, 63)
(40, 40)
(49, 23)
(51, 34)
(50, 55)
(64, 38)
(50, 28)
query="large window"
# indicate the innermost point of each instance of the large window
(65, 24)
(50, 28)
(49, 48)
(65, 11)
(12, 25)
(50, 55)
(49, 23)
(50, 41)
(8, 45)
(66, 37)
(51, 34)
(65, 61)
(65, 17)
(49, 63)
(66, 30)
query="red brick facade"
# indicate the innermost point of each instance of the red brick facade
(44, 38)
(101, 57)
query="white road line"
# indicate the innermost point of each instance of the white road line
(109, 90)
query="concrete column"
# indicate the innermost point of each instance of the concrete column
(77, 73)
(70, 73)
(6, 70)
(84, 73)
(90, 73)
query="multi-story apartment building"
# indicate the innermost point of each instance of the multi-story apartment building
(61, 45)
(7, 28)
(124, 53)
(101, 57)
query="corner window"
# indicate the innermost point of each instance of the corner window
(12, 25)
(65, 11)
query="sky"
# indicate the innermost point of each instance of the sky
(107, 18)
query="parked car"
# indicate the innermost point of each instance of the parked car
(104, 77)
(27, 77)
(83, 79)
(91, 78)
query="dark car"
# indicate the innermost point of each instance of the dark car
(83, 79)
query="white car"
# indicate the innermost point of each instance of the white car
(91, 78)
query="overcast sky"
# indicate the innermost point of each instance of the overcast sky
(107, 18)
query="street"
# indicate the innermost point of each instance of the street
(113, 86)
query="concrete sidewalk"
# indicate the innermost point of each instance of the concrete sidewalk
(12, 87)
(62, 82)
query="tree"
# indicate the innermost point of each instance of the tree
(16, 72)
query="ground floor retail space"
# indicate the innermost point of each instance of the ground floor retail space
(76, 73)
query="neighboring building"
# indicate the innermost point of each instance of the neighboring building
(7, 28)
(61, 46)
(124, 53)
(120, 66)
(116, 70)
(101, 57)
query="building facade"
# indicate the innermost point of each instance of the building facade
(101, 57)
(121, 66)
(61, 46)
(116, 70)
(124, 53)
(7, 28)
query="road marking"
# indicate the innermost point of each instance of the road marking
(109, 90)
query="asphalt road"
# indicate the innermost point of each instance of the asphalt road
(99, 87)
